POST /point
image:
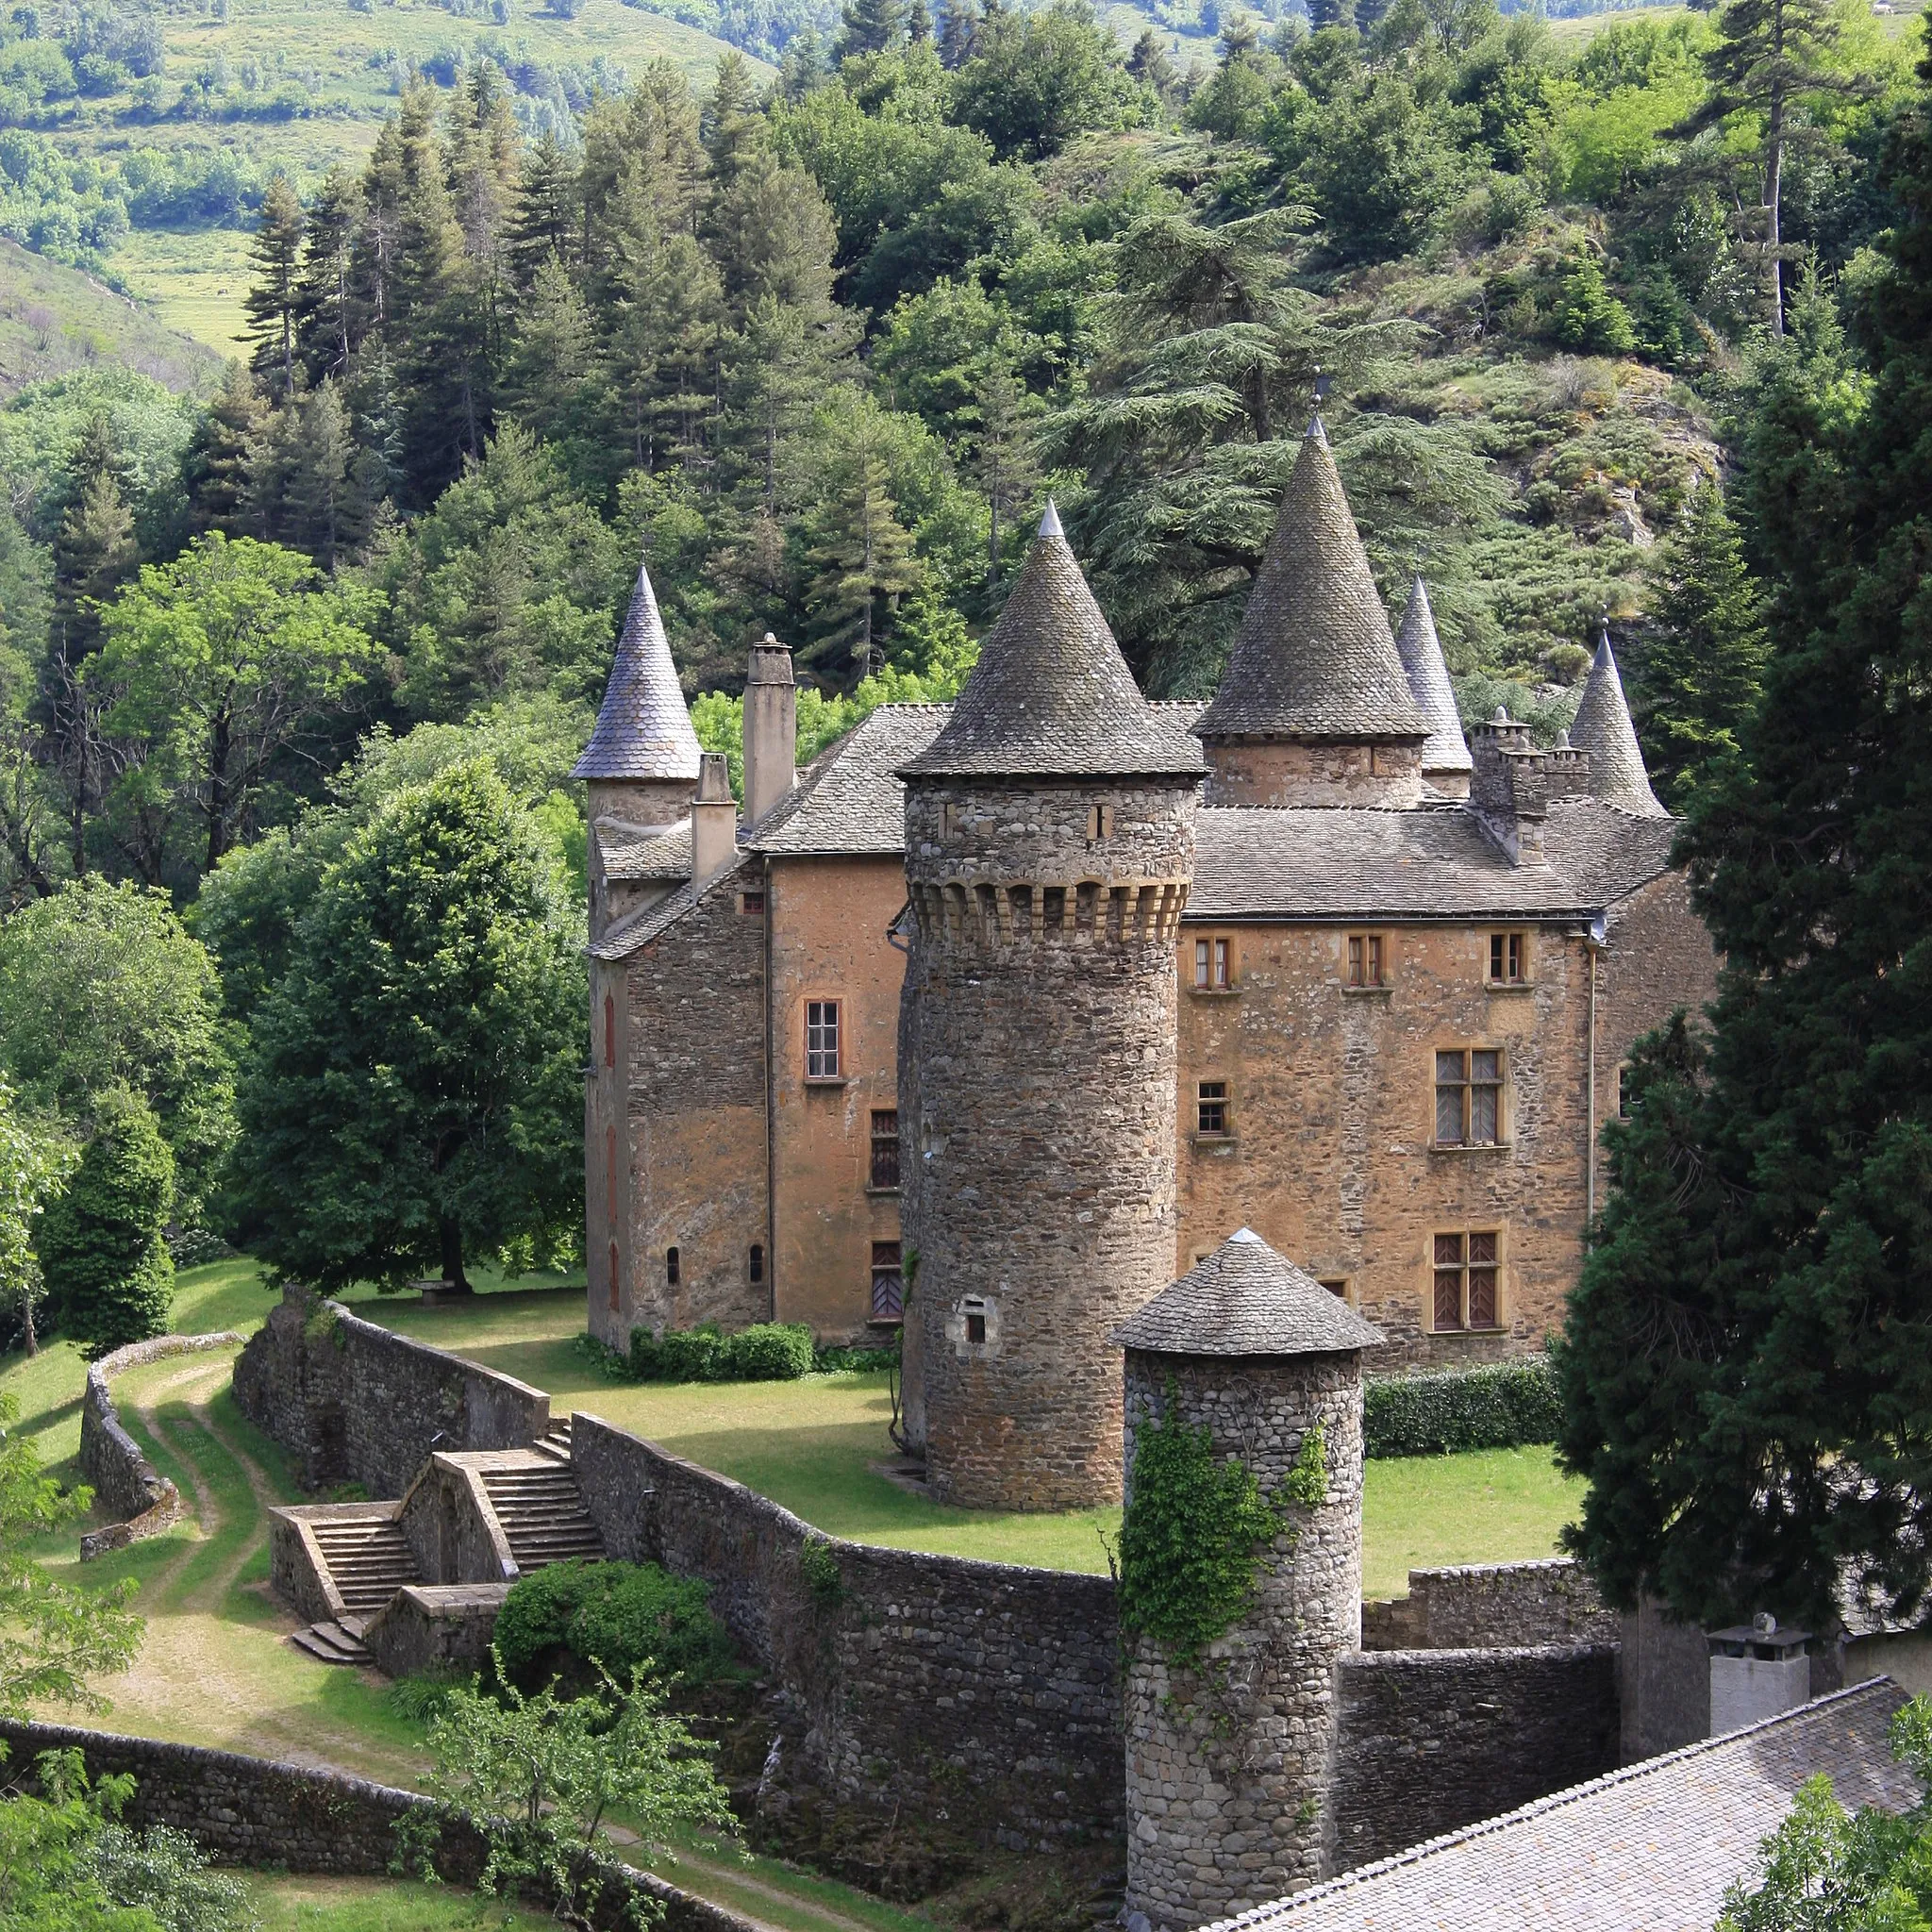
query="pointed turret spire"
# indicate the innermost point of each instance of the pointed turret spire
(1603, 728)
(1447, 751)
(1051, 695)
(1314, 658)
(643, 728)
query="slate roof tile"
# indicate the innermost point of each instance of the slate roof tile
(638, 852)
(643, 729)
(1603, 728)
(641, 928)
(1445, 749)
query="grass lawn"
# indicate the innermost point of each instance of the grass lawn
(369, 1905)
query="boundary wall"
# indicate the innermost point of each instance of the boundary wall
(254, 1811)
(125, 1484)
(357, 1403)
(1484, 1606)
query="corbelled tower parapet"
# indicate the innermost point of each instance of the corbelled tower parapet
(1229, 1752)
(1049, 848)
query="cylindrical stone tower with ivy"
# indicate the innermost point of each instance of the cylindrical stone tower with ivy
(1241, 1578)
(1049, 850)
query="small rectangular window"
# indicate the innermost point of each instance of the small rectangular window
(884, 1147)
(975, 1328)
(822, 1039)
(1211, 1103)
(1466, 1273)
(1469, 1098)
(1224, 977)
(751, 902)
(616, 1279)
(887, 1283)
(1509, 958)
(1365, 959)
(670, 1267)
(1337, 1285)
(1214, 965)
(755, 1265)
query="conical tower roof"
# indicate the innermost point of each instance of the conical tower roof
(1420, 651)
(1051, 695)
(643, 728)
(1313, 657)
(1246, 1299)
(1603, 728)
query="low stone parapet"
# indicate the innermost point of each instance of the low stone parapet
(1488, 1605)
(435, 1626)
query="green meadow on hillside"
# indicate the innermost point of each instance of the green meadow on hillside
(55, 319)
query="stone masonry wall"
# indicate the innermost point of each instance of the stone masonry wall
(1229, 1764)
(982, 1693)
(1478, 1605)
(1037, 1176)
(356, 1402)
(252, 1811)
(1430, 1741)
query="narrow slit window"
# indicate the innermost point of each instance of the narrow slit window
(822, 1039)
(1210, 1103)
(609, 1031)
(670, 1267)
(976, 1325)
(1100, 822)
(884, 1147)
(610, 1172)
(755, 1266)
(1469, 1098)
(887, 1283)
(616, 1279)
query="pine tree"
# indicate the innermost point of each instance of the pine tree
(216, 469)
(327, 322)
(328, 512)
(1004, 463)
(271, 303)
(871, 27)
(919, 24)
(958, 33)
(1702, 668)
(1770, 54)
(1743, 1368)
(731, 123)
(544, 222)
(95, 549)
(554, 377)
(1149, 63)
(861, 554)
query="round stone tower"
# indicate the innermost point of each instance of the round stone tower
(1049, 849)
(1229, 1760)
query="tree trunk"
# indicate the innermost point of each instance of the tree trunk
(1774, 176)
(218, 792)
(454, 1280)
(27, 1308)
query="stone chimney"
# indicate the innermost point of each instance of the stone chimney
(1568, 769)
(771, 728)
(1510, 786)
(713, 821)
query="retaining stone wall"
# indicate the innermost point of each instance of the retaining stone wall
(355, 1402)
(1478, 1605)
(123, 1481)
(252, 1812)
(1430, 1741)
(984, 1694)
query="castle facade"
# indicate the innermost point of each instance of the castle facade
(1026, 1004)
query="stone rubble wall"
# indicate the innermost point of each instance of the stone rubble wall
(123, 1481)
(357, 1403)
(1493, 1606)
(254, 1811)
(1430, 1740)
(985, 1695)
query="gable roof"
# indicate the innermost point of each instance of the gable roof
(1246, 1299)
(850, 798)
(1649, 1848)
(1445, 749)
(624, 938)
(1313, 657)
(1603, 728)
(1051, 695)
(643, 729)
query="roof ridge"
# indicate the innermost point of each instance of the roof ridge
(1554, 1801)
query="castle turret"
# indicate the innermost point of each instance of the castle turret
(1446, 762)
(642, 763)
(1603, 730)
(1314, 707)
(1049, 850)
(1228, 1756)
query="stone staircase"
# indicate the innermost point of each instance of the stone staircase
(366, 1558)
(542, 1511)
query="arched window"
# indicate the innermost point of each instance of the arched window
(610, 1172)
(609, 1031)
(614, 1288)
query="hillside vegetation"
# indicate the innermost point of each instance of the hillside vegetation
(55, 319)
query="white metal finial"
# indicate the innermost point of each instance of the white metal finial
(1245, 1234)
(1050, 523)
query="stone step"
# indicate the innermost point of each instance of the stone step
(329, 1643)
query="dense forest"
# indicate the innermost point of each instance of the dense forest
(818, 347)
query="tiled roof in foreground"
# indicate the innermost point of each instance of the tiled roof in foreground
(1246, 1299)
(850, 799)
(1650, 1848)
(639, 852)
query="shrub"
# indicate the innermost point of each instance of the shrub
(1499, 1406)
(620, 1615)
(859, 1361)
(766, 1352)
(162, 1871)
(107, 1268)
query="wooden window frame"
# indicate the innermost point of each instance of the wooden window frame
(888, 1282)
(881, 1139)
(1469, 1088)
(1100, 823)
(1466, 1281)
(1220, 1102)
(1365, 962)
(1213, 971)
(1509, 961)
(824, 1064)
(751, 903)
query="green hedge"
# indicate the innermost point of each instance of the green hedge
(766, 1352)
(1497, 1406)
(615, 1614)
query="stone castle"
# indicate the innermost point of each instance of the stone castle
(1001, 1015)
